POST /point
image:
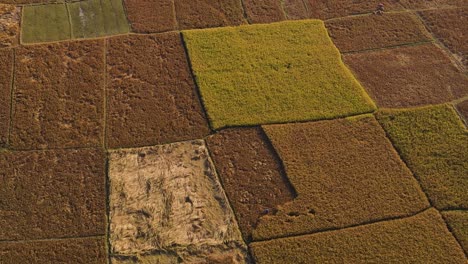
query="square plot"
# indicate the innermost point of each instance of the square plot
(408, 76)
(264, 11)
(434, 143)
(9, 25)
(59, 96)
(168, 198)
(423, 238)
(150, 16)
(75, 250)
(345, 172)
(450, 27)
(152, 97)
(251, 174)
(45, 23)
(280, 72)
(372, 31)
(52, 194)
(6, 75)
(208, 13)
(96, 18)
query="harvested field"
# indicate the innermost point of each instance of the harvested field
(6, 68)
(168, 198)
(280, 72)
(327, 9)
(151, 100)
(450, 27)
(457, 220)
(76, 250)
(251, 174)
(408, 76)
(264, 11)
(150, 16)
(345, 173)
(45, 23)
(52, 194)
(434, 143)
(59, 96)
(423, 238)
(422, 4)
(462, 109)
(208, 13)
(372, 32)
(96, 18)
(9, 25)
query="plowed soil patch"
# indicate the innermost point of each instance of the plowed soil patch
(77, 250)
(451, 28)
(208, 13)
(59, 95)
(52, 194)
(6, 69)
(251, 174)
(408, 76)
(434, 143)
(151, 100)
(345, 173)
(151, 16)
(423, 238)
(264, 11)
(279, 72)
(372, 31)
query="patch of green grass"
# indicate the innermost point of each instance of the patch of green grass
(434, 143)
(95, 18)
(43, 23)
(280, 72)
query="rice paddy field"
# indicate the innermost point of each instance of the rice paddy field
(233, 131)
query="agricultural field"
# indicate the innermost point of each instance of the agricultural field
(233, 131)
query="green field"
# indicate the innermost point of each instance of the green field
(280, 72)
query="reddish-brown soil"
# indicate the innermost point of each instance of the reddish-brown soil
(372, 31)
(420, 4)
(450, 27)
(6, 68)
(77, 250)
(149, 16)
(9, 25)
(208, 13)
(326, 9)
(251, 174)
(52, 194)
(152, 98)
(264, 11)
(408, 76)
(345, 172)
(58, 95)
(462, 109)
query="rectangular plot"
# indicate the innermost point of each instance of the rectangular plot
(95, 18)
(44, 23)
(6, 68)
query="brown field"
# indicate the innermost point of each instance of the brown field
(462, 109)
(264, 11)
(6, 68)
(150, 16)
(411, 4)
(151, 100)
(208, 13)
(76, 250)
(71, 203)
(373, 31)
(457, 220)
(295, 9)
(9, 25)
(408, 76)
(345, 173)
(423, 238)
(251, 174)
(451, 28)
(58, 95)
